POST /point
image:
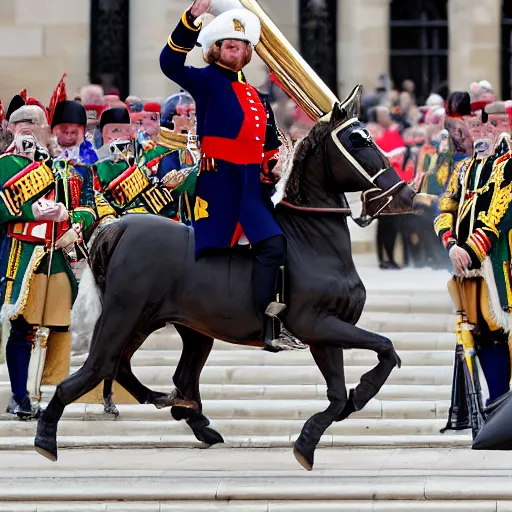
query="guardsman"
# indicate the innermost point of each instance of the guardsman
(474, 224)
(48, 208)
(123, 177)
(239, 145)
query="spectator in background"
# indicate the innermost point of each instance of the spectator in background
(482, 91)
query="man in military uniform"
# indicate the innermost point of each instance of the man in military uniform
(69, 125)
(48, 207)
(239, 142)
(474, 222)
(123, 176)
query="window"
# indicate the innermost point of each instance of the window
(318, 38)
(419, 45)
(110, 45)
(506, 51)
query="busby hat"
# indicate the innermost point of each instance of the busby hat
(458, 104)
(240, 24)
(16, 103)
(115, 116)
(69, 112)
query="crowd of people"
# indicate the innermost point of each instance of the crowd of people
(418, 140)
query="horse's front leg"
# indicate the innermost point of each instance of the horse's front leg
(330, 362)
(336, 334)
(196, 349)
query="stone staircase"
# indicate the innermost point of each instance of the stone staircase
(390, 451)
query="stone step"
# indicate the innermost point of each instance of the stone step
(282, 392)
(168, 339)
(242, 505)
(244, 357)
(160, 376)
(383, 322)
(229, 427)
(433, 302)
(187, 440)
(365, 488)
(260, 410)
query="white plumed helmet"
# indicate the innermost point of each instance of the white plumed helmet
(240, 24)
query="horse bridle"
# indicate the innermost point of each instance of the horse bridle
(372, 195)
(368, 197)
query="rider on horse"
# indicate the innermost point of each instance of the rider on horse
(238, 142)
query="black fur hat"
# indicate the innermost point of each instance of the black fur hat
(16, 103)
(115, 116)
(458, 104)
(69, 112)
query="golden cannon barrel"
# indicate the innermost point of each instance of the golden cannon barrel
(297, 77)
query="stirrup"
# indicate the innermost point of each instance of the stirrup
(274, 309)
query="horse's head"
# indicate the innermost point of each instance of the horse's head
(356, 163)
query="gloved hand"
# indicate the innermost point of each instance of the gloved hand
(46, 209)
(71, 236)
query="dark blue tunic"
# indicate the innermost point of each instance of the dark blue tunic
(236, 129)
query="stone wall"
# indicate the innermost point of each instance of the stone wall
(363, 43)
(42, 39)
(475, 50)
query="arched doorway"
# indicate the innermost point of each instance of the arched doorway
(110, 45)
(506, 50)
(419, 45)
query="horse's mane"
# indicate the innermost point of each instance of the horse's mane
(291, 184)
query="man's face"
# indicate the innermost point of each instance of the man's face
(482, 135)
(28, 128)
(116, 131)
(459, 135)
(146, 121)
(69, 135)
(233, 54)
(499, 125)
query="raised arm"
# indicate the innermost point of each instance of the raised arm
(180, 42)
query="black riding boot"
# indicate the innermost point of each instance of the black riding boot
(269, 256)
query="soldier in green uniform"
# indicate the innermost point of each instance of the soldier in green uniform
(48, 207)
(474, 224)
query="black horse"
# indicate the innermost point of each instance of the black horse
(147, 275)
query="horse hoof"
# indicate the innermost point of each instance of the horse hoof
(208, 436)
(45, 442)
(302, 459)
(269, 346)
(109, 407)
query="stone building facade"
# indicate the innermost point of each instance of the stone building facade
(43, 39)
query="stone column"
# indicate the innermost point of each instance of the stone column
(474, 29)
(363, 43)
(363, 54)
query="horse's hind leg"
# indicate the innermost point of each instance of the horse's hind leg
(196, 349)
(330, 362)
(144, 395)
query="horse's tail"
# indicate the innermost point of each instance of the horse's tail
(88, 304)
(103, 246)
